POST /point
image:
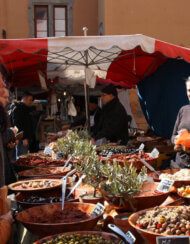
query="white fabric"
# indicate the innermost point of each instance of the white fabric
(90, 77)
(67, 56)
(71, 108)
(123, 96)
(54, 108)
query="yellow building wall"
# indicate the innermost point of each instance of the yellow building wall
(85, 13)
(167, 20)
(14, 18)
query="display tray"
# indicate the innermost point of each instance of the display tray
(35, 185)
(148, 235)
(177, 183)
(48, 219)
(43, 172)
(104, 235)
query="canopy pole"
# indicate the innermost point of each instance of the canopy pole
(86, 89)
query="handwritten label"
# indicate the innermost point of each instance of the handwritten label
(131, 237)
(109, 155)
(73, 178)
(69, 166)
(141, 147)
(64, 179)
(165, 185)
(99, 209)
(48, 151)
(173, 240)
(155, 153)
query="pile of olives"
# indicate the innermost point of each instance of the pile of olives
(79, 239)
(119, 151)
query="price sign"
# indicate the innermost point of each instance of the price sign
(64, 179)
(59, 155)
(155, 153)
(173, 240)
(141, 147)
(69, 166)
(109, 155)
(73, 178)
(165, 185)
(98, 209)
(48, 151)
(131, 237)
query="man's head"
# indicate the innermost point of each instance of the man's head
(108, 93)
(93, 103)
(5, 97)
(27, 99)
(188, 87)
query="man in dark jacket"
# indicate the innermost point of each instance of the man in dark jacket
(114, 120)
(21, 118)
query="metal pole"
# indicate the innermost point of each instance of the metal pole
(86, 89)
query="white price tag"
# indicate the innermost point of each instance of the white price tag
(131, 236)
(109, 155)
(165, 185)
(64, 179)
(141, 147)
(48, 151)
(155, 153)
(69, 166)
(73, 178)
(99, 209)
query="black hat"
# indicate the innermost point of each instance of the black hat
(110, 89)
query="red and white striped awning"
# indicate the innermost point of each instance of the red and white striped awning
(123, 60)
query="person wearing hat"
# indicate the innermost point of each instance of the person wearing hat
(113, 125)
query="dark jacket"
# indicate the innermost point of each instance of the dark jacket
(113, 123)
(182, 122)
(21, 118)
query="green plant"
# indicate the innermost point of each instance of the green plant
(90, 165)
(122, 181)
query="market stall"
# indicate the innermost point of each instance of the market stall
(56, 188)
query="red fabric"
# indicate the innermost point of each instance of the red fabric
(23, 65)
(133, 65)
(172, 51)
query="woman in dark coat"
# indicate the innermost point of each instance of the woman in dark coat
(113, 123)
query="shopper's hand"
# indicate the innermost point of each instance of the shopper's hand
(25, 142)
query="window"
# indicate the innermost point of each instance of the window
(50, 17)
(41, 21)
(59, 21)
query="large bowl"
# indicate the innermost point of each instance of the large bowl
(147, 235)
(45, 229)
(177, 183)
(107, 236)
(17, 185)
(148, 197)
(43, 172)
(55, 193)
